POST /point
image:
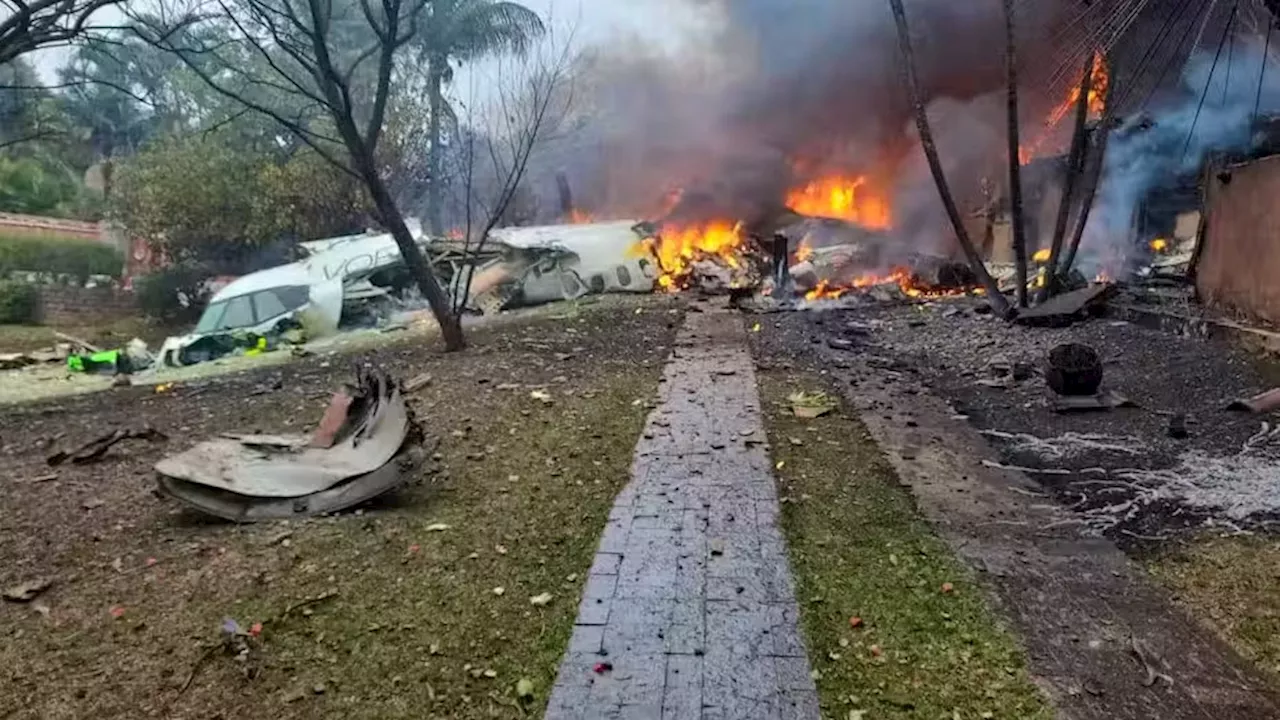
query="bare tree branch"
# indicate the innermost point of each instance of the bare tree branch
(33, 25)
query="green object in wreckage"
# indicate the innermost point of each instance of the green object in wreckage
(107, 360)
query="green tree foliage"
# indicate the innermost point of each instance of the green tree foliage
(209, 199)
(30, 186)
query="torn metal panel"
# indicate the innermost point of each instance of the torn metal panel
(250, 477)
(261, 472)
(243, 508)
(524, 266)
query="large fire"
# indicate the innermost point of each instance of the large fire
(843, 198)
(677, 248)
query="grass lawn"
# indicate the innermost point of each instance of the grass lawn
(1232, 584)
(895, 626)
(418, 606)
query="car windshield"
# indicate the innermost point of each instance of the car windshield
(245, 311)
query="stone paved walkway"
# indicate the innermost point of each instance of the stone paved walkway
(690, 599)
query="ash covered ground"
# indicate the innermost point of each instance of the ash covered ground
(1123, 472)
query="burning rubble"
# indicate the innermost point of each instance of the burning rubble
(833, 237)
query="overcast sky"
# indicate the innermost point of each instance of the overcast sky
(594, 22)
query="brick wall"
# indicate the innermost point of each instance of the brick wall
(66, 305)
(37, 226)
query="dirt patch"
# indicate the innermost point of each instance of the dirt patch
(412, 623)
(924, 643)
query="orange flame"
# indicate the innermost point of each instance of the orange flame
(1159, 245)
(1097, 94)
(579, 217)
(900, 276)
(804, 253)
(1097, 106)
(676, 248)
(843, 198)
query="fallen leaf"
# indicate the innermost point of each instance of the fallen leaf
(27, 591)
(438, 527)
(117, 612)
(499, 591)
(540, 600)
(151, 562)
(500, 549)
(855, 622)
(524, 688)
(491, 674)
(602, 668)
(755, 328)
(876, 651)
(415, 548)
(781, 464)
(255, 629)
(948, 587)
(810, 406)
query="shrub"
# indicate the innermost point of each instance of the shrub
(18, 303)
(58, 256)
(176, 294)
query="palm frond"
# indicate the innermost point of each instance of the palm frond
(467, 29)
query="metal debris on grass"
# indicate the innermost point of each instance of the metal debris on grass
(369, 446)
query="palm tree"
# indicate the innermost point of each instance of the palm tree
(457, 31)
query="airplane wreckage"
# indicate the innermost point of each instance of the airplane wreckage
(367, 444)
(356, 280)
(361, 280)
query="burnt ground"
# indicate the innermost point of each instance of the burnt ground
(1103, 639)
(1126, 473)
(410, 623)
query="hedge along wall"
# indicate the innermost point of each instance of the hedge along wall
(58, 256)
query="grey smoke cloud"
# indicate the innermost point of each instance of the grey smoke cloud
(1173, 138)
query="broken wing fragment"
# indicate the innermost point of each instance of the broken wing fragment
(248, 478)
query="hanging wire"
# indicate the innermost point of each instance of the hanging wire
(1262, 71)
(1207, 83)
(1231, 52)
(1175, 54)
